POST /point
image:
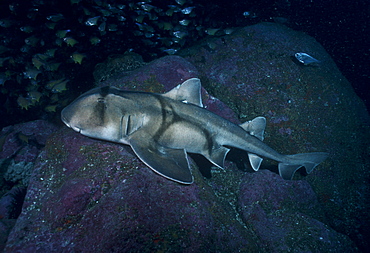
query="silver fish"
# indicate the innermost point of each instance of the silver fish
(162, 128)
(306, 59)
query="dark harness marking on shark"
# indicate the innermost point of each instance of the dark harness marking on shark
(170, 117)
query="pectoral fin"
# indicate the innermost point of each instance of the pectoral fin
(170, 163)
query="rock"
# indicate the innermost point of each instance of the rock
(100, 193)
(117, 64)
(159, 76)
(6, 226)
(19, 147)
(22, 142)
(19, 172)
(308, 108)
(11, 203)
(287, 216)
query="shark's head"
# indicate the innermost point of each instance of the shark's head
(95, 114)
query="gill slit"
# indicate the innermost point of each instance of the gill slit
(128, 125)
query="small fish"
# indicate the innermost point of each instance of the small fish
(53, 66)
(94, 40)
(212, 31)
(112, 27)
(306, 59)
(229, 30)
(50, 25)
(92, 21)
(35, 95)
(32, 41)
(37, 62)
(249, 14)
(57, 86)
(77, 57)
(121, 18)
(184, 22)
(27, 29)
(62, 33)
(31, 73)
(140, 18)
(52, 83)
(50, 52)
(6, 23)
(50, 108)
(167, 26)
(170, 12)
(55, 18)
(170, 51)
(102, 26)
(147, 7)
(60, 87)
(187, 10)
(180, 2)
(105, 13)
(54, 99)
(70, 41)
(23, 102)
(180, 34)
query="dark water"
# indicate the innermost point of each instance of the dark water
(342, 27)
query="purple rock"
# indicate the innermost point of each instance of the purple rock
(308, 108)
(114, 202)
(11, 202)
(159, 76)
(24, 141)
(6, 226)
(285, 215)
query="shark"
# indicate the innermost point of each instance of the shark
(162, 128)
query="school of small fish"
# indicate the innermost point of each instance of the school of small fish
(41, 40)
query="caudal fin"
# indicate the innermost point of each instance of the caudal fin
(308, 160)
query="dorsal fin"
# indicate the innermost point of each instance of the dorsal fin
(255, 127)
(187, 92)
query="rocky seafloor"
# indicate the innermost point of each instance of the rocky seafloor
(87, 195)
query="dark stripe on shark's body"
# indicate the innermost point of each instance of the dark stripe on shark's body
(100, 109)
(167, 109)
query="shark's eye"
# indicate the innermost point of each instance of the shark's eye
(101, 100)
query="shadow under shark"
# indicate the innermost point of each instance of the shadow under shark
(162, 128)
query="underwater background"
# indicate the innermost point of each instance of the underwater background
(304, 65)
(44, 44)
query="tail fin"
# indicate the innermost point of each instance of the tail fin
(308, 160)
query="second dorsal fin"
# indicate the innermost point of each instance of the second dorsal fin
(187, 92)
